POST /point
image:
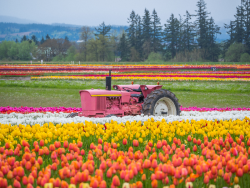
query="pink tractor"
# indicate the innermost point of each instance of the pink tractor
(127, 100)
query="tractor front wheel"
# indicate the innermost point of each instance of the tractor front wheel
(161, 102)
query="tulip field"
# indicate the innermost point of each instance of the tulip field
(205, 147)
(125, 152)
(173, 72)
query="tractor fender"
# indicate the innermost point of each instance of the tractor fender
(147, 89)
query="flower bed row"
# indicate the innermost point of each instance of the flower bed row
(25, 109)
(61, 118)
(158, 78)
(117, 67)
(20, 71)
(153, 153)
(184, 75)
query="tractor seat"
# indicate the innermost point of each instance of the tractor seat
(136, 95)
(137, 90)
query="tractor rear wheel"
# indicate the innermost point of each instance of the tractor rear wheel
(71, 115)
(161, 102)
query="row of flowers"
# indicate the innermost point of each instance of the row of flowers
(25, 109)
(170, 75)
(132, 154)
(168, 78)
(61, 118)
(119, 67)
(206, 74)
(113, 72)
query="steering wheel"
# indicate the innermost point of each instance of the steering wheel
(128, 89)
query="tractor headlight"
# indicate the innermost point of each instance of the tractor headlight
(146, 88)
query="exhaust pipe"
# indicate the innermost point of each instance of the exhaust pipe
(108, 81)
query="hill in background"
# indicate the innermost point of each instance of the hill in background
(12, 28)
(13, 31)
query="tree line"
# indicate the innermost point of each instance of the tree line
(191, 37)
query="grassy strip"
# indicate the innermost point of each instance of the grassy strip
(130, 63)
(45, 97)
(194, 86)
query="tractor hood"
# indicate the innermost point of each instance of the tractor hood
(102, 93)
(95, 99)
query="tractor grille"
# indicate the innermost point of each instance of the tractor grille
(100, 105)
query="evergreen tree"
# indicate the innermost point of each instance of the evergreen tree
(231, 33)
(189, 33)
(123, 48)
(213, 48)
(132, 29)
(180, 43)
(42, 41)
(156, 32)
(47, 37)
(239, 25)
(16, 41)
(247, 24)
(85, 37)
(103, 30)
(146, 34)
(24, 38)
(138, 38)
(201, 22)
(34, 39)
(171, 33)
(66, 38)
(147, 26)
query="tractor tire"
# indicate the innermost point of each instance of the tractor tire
(161, 102)
(71, 115)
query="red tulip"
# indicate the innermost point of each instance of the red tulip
(195, 148)
(64, 184)
(66, 144)
(116, 181)
(109, 173)
(31, 179)
(57, 144)
(85, 176)
(30, 186)
(239, 172)
(7, 145)
(99, 141)
(57, 182)
(3, 182)
(25, 180)
(135, 143)
(40, 160)
(154, 184)
(154, 163)
(147, 164)
(41, 143)
(79, 144)
(16, 184)
(206, 179)
(103, 184)
(28, 165)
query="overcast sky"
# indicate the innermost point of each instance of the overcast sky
(114, 12)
